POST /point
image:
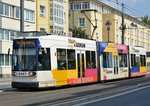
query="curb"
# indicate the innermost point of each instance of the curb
(6, 89)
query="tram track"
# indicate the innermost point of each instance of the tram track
(74, 95)
(99, 93)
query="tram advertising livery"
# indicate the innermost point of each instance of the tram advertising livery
(51, 60)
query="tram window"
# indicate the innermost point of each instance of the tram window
(88, 62)
(133, 60)
(61, 59)
(93, 59)
(107, 59)
(71, 59)
(44, 59)
(123, 60)
(143, 60)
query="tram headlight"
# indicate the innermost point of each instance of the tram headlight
(32, 73)
(14, 73)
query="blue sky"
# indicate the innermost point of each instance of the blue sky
(141, 7)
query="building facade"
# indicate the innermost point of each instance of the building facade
(42, 15)
(59, 17)
(108, 21)
(87, 15)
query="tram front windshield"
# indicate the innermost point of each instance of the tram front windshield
(24, 59)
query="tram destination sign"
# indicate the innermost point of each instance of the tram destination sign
(76, 44)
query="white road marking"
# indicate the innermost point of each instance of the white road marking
(112, 96)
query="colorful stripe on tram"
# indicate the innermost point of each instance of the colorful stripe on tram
(138, 71)
(67, 77)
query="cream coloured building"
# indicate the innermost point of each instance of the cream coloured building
(136, 34)
(87, 15)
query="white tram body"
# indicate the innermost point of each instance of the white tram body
(67, 61)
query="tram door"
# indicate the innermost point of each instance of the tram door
(81, 64)
(115, 59)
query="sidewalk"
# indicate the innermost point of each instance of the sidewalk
(5, 83)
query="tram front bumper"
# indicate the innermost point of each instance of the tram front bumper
(25, 84)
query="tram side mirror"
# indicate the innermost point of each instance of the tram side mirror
(42, 51)
(45, 51)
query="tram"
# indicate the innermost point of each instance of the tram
(47, 61)
(137, 61)
(50, 60)
(114, 61)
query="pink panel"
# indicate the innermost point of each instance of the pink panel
(105, 77)
(122, 47)
(91, 72)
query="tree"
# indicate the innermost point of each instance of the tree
(79, 33)
(146, 20)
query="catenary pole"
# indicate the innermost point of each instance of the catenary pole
(21, 16)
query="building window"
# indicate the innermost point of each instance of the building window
(132, 42)
(138, 33)
(31, 15)
(26, 14)
(42, 29)
(117, 39)
(1, 34)
(6, 35)
(116, 25)
(42, 10)
(81, 22)
(70, 6)
(141, 33)
(85, 5)
(65, 16)
(6, 10)
(77, 5)
(96, 22)
(6, 60)
(97, 36)
(1, 59)
(17, 12)
(1, 8)
(128, 41)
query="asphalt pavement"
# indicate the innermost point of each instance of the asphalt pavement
(136, 97)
